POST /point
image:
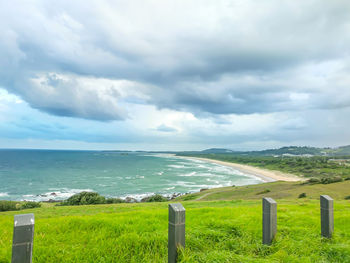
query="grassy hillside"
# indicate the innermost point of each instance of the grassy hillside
(216, 231)
(277, 190)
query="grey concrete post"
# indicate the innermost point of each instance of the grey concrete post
(269, 220)
(327, 219)
(176, 230)
(23, 233)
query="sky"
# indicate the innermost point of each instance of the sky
(174, 74)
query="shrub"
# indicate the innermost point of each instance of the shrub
(156, 198)
(314, 180)
(330, 180)
(347, 197)
(302, 195)
(9, 206)
(85, 198)
(264, 192)
(28, 205)
(347, 178)
(114, 201)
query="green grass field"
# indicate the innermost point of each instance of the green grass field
(216, 231)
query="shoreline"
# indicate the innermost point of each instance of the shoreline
(263, 174)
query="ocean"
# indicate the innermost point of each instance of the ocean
(41, 175)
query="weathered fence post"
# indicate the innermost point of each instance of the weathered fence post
(23, 233)
(327, 219)
(176, 231)
(269, 220)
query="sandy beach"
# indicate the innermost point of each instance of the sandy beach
(264, 174)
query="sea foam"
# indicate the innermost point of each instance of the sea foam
(55, 194)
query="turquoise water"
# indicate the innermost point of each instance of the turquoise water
(42, 175)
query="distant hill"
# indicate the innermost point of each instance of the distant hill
(343, 150)
(292, 150)
(287, 150)
(217, 150)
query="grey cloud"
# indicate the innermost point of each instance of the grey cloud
(68, 97)
(239, 95)
(218, 62)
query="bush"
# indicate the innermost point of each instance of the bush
(302, 195)
(347, 197)
(314, 180)
(114, 201)
(347, 178)
(9, 206)
(155, 198)
(28, 205)
(85, 198)
(264, 192)
(330, 180)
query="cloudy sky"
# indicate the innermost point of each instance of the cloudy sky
(174, 75)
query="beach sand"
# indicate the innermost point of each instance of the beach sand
(264, 174)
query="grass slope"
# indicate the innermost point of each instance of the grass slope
(217, 231)
(277, 190)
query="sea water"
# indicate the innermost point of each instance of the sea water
(41, 175)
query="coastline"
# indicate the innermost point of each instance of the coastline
(263, 174)
(60, 194)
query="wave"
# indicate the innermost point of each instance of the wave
(134, 177)
(191, 160)
(216, 168)
(188, 174)
(198, 174)
(176, 166)
(3, 194)
(203, 166)
(138, 197)
(184, 183)
(161, 155)
(56, 194)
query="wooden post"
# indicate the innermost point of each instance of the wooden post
(176, 230)
(269, 220)
(23, 233)
(327, 219)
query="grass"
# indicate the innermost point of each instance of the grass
(277, 190)
(216, 231)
